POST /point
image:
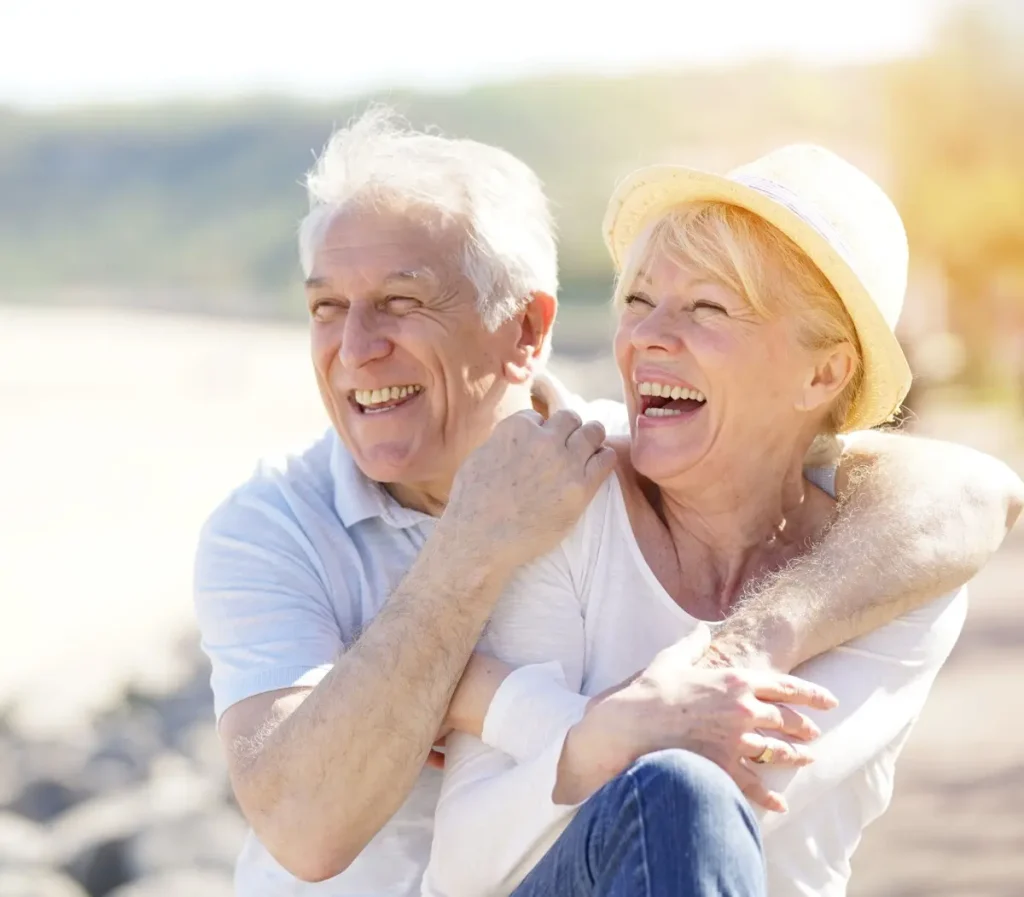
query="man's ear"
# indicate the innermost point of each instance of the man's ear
(533, 337)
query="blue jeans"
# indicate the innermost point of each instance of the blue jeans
(673, 825)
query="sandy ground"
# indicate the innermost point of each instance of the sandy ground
(118, 434)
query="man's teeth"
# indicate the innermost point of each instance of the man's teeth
(370, 397)
(665, 391)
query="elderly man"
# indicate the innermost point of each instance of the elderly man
(340, 596)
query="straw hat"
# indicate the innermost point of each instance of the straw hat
(834, 212)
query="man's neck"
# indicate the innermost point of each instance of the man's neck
(427, 499)
(432, 498)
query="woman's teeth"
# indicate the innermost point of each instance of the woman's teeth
(368, 398)
(669, 392)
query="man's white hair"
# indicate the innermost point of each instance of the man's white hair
(509, 249)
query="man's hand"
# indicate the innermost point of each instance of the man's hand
(719, 714)
(518, 495)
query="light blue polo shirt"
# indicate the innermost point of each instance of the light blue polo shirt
(289, 570)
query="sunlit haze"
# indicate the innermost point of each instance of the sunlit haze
(59, 52)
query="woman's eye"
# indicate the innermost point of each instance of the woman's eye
(710, 306)
(637, 299)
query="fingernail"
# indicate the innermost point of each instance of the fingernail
(780, 805)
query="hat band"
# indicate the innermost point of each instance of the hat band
(787, 198)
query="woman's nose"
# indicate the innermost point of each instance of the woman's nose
(660, 329)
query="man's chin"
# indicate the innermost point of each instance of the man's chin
(391, 462)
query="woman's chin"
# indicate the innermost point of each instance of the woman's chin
(660, 459)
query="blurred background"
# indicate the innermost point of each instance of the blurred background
(152, 344)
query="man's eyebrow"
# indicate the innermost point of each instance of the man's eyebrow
(411, 274)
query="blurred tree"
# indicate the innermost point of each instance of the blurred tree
(196, 206)
(956, 133)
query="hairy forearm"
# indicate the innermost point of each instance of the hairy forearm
(916, 519)
(330, 775)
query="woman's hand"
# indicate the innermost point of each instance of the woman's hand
(728, 716)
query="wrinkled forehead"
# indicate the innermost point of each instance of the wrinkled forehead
(368, 245)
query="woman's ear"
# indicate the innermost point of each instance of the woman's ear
(533, 338)
(828, 377)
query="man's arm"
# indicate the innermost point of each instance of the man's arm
(318, 771)
(917, 519)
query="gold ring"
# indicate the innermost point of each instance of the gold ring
(765, 756)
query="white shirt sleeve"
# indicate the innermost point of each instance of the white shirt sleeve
(264, 612)
(882, 680)
(495, 817)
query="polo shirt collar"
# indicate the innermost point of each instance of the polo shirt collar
(358, 498)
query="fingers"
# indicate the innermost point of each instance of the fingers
(600, 464)
(562, 424)
(792, 690)
(527, 414)
(783, 753)
(586, 439)
(784, 720)
(755, 791)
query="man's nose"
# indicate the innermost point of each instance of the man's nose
(363, 339)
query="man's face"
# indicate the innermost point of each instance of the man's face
(411, 378)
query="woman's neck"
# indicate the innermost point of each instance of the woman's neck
(727, 531)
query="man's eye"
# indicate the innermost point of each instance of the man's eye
(402, 303)
(326, 308)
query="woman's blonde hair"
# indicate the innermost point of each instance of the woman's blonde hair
(755, 259)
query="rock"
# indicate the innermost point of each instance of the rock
(202, 841)
(45, 798)
(195, 883)
(90, 840)
(51, 776)
(22, 843)
(37, 883)
(201, 744)
(10, 780)
(101, 866)
(128, 743)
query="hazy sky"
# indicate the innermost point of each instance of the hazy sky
(72, 51)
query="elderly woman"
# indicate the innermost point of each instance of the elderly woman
(756, 317)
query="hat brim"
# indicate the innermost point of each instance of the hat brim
(648, 194)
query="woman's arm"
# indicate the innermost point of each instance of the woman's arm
(496, 817)
(917, 519)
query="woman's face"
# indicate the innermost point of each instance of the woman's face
(709, 383)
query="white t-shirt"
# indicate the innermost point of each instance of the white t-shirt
(588, 616)
(290, 568)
